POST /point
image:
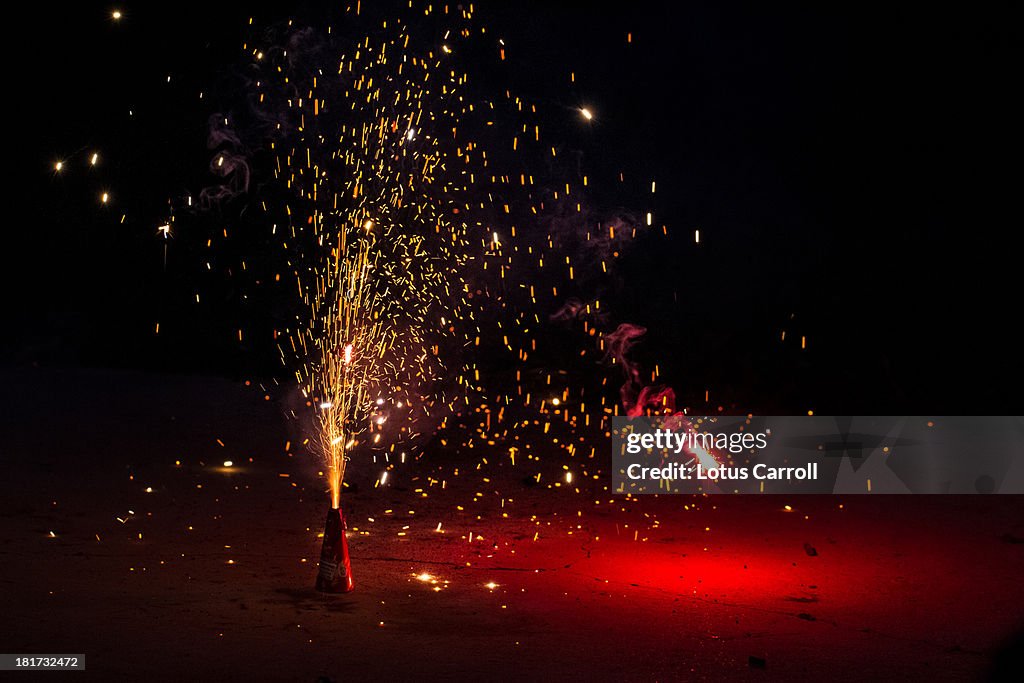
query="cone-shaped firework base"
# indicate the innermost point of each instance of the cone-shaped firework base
(335, 575)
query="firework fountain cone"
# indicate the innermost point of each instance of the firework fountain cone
(335, 575)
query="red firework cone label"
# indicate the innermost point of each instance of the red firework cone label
(335, 575)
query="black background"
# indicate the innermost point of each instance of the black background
(848, 165)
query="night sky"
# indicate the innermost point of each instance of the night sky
(847, 165)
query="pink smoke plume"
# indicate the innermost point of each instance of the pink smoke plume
(618, 344)
(656, 399)
(637, 399)
(569, 311)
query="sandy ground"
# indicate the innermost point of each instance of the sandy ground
(209, 575)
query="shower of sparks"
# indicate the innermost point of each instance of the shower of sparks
(378, 232)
